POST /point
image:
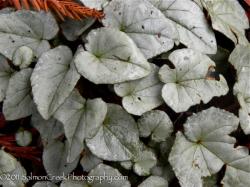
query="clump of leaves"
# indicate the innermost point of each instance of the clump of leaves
(156, 93)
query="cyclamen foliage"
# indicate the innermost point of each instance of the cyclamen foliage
(157, 90)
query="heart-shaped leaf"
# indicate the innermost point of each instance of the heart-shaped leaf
(55, 160)
(7, 162)
(193, 28)
(189, 82)
(26, 28)
(240, 58)
(11, 171)
(19, 180)
(118, 137)
(155, 124)
(242, 91)
(53, 80)
(144, 162)
(81, 119)
(19, 103)
(144, 23)
(205, 146)
(23, 138)
(229, 18)
(112, 57)
(23, 57)
(238, 171)
(141, 95)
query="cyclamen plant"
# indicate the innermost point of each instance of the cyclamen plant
(154, 92)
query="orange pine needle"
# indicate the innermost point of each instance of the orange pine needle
(63, 8)
(26, 4)
(17, 4)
